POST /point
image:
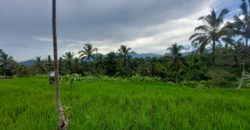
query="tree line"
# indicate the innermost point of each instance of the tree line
(220, 56)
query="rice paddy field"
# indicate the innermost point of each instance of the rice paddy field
(28, 104)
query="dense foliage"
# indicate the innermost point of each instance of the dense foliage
(220, 54)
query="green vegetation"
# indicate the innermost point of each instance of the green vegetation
(191, 91)
(218, 45)
(28, 104)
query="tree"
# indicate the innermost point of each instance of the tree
(99, 63)
(236, 48)
(1, 59)
(69, 57)
(143, 68)
(49, 63)
(1, 52)
(39, 66)
(62, 122)
(111, 64)
(20, 70)
(5, 61)
(210, 32)
(124, 55)
(177, 61)
(76, 65)
(199, 64)
(87, 52)
(241, 27)
(124, 61)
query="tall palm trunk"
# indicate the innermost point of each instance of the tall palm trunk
(245, 50)
(235, 57)
(124, 62)
(226, 54)
(213, 49)
(62, 123)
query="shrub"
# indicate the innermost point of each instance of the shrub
(144, 78)
(196, 75)
(107, 78)
(221, 78)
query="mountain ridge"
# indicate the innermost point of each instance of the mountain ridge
(132, 54)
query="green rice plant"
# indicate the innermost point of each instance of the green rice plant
(28, 104)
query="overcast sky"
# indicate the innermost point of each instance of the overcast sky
(144, 25)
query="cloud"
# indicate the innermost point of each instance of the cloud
(156, 38)
(144, 25)
(43, 39)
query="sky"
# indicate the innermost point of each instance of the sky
(146, 26)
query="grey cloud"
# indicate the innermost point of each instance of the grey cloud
(120, 19)
(91, 19)
(116, 21)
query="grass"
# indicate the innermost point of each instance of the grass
(28, 104)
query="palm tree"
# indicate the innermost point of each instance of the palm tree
(236, 48)
(69, 57)
(210, 32)
(1, 52)
(1, 57)
(241, 27)
(49, 63)
(62, 122)
(5, 61)
(99, 63)
(61, 65)
(124, 55)
(20, 70)
(39, 66)
(87, 52)
(76, 65)
(177, 61)
(111, 64)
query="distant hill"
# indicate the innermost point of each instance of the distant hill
(132, 54)
(144, 55)
(27, 63)
(183, 54)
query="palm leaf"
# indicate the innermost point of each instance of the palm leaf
(203, 28)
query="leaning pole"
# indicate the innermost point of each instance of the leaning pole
(62, 121)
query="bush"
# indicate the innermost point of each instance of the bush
(144, 78)
(196, 75)
(107, 78)
(217, 78)
(222, 78)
